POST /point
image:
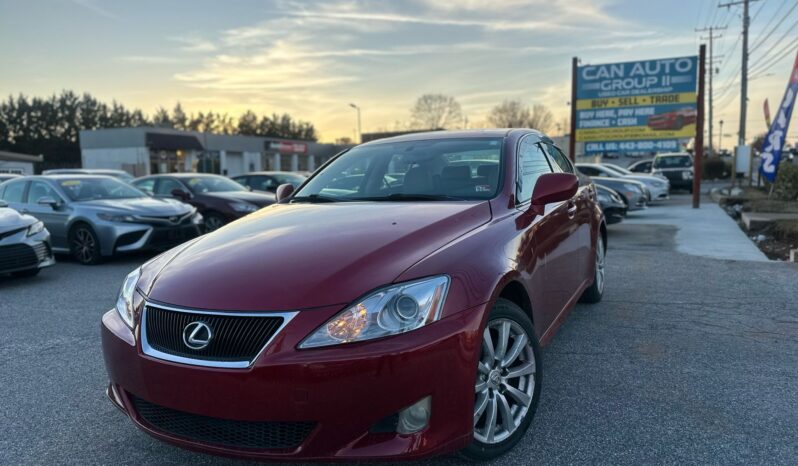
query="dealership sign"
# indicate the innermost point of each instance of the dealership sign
(288, 147)
(642, 106)
(774, 142)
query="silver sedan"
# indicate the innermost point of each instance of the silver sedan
(92, 217)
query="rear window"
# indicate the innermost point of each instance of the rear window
(677, 161)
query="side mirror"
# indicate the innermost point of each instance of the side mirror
(3, 204)
(552, 187)
(47, 200)
(180, 194)
(284, 191)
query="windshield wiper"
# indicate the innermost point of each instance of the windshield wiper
(317, 198)
(410, 197)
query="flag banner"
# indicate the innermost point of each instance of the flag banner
(774, 142)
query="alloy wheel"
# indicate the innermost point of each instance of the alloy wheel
(212, 222)
(505, 384)
(600, 257)
(83, 244)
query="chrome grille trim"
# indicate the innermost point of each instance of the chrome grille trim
(150, 351)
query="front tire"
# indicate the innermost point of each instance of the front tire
(594, 294)
(214, 221)
(84, 245)
(507, 388)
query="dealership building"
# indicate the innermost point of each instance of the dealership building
(18, 164)
(148, 150)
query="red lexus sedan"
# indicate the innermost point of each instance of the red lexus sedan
(396, 318)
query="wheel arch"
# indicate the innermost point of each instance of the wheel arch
(515, 292)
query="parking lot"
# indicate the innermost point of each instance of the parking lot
(684, 361)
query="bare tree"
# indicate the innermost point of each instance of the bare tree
(433, 111)
(541, 118)
(509, 114)
(514, 114)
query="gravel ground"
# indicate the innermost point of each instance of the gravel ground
(687, 360)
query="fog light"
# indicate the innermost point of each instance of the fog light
(415, 417)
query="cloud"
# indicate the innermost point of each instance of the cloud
(92, 6)
(194, 43)
(149, 59)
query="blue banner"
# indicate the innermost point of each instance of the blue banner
(640, 106)
(774, 142)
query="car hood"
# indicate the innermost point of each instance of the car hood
(10, 220)
(606, 181)
(146, 206)
(299, 256)
(260, 199)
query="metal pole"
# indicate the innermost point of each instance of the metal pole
(359, 132)
(743, 80)
(699, 129)
(711, 64)
(572, 136)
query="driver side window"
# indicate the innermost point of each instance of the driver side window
(40, 189)
(165, 186)
(531, 163)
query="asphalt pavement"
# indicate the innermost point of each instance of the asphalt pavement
(688, 359)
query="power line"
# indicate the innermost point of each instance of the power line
(777, 57)
(762, 41)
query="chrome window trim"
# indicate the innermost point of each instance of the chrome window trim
(150, 351)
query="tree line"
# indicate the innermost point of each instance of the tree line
(51, 125)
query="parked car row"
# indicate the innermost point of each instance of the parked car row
(93, 214)
(676, 167)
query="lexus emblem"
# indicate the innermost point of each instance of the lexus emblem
(197, 335)
(173, 219)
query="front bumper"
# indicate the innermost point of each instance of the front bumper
(129, 237)
(344, 390)
(20, 252)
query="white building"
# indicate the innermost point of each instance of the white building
(147, 150)
(19, 164)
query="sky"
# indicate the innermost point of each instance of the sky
(313, 58)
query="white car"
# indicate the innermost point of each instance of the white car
(658, 186)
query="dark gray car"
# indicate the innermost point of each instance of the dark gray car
(24, 244)
(92, 217)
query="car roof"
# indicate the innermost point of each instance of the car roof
(181, 175)
(278, 172)
(454, 134)
(674, 154)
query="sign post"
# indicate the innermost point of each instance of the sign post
(572, 136)
(699, 130)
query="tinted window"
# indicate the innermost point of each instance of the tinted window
(212, 184)
(166, 185)
(14, 191)
(148, 185)
(89, 189)
(531, 164)
(262, 183)
(289, 178)
(40, 189)
(437, 169)
(589, 171)
(560, 159)
(683, 161)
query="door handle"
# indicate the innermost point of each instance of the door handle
(571, 209)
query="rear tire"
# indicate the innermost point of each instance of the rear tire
(507, 387)
(594, 294)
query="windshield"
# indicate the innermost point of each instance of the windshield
(673, 162)
(438, 169)
(212, 184)
(90, 189)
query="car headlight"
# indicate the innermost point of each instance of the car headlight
(36, 228)
(124, 303)
(632, 187)
(658, 173)
(115, 217)
(388, 311)
(243, 207)
(197, 218)
(603, 198)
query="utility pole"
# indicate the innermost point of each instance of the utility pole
(743, 78)
(572, 136)
(711, 63)
(359, 131)
(699, 128)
